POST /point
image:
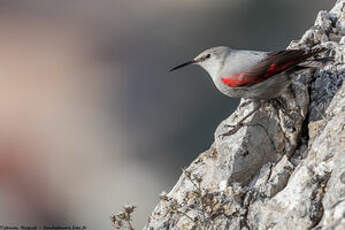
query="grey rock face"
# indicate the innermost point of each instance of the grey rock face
(286, 168)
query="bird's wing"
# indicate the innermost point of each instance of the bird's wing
(274, 63)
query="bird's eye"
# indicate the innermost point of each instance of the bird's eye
(208, 56)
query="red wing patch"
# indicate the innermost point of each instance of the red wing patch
(235, 80)
(241, 79)
(273, 69)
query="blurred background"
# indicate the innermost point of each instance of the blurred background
(90, 118)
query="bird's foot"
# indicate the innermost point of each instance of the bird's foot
(240, 124)
(233, 129)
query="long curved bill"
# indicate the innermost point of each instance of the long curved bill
(183, 65)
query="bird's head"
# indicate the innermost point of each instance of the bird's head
(211, 59)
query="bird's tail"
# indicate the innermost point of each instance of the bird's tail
(317, 62)
(314, 61)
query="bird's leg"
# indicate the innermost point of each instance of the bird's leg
(240, 123)
(245, 103)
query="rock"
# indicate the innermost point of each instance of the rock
(285, 169)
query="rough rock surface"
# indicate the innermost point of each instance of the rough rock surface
(286, 168)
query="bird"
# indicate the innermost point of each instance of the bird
(255, 75)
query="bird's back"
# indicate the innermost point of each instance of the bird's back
(241, 60)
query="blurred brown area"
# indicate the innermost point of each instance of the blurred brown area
(89, 117)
